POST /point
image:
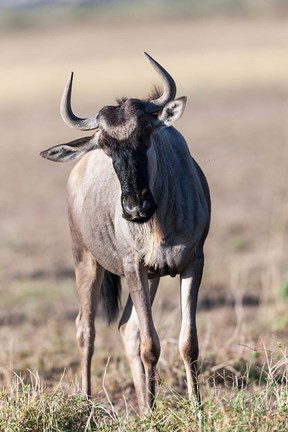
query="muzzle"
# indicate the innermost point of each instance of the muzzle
(138, 208)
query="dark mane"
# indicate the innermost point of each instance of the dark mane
(121, 100)
(155, 93)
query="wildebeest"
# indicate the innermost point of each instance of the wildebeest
(139, 207)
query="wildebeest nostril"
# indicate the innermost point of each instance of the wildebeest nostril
(129, 205)
(145, 206)
(131, 209)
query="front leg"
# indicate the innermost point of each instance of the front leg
(130, 332)
(89, 275)
(188, 340)
(137, 282)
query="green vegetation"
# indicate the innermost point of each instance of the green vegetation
(283, 292)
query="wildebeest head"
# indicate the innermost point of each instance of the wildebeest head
(124, 133)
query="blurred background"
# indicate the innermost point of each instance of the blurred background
(231, 59)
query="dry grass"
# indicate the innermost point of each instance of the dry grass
(235, 75)
(236, 405)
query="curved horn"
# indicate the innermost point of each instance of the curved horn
(169, 86)
(67, 114)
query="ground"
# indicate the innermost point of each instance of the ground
(235, 76)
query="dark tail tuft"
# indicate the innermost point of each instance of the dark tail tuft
(110, 296)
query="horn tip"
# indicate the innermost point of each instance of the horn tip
(70, 78)
(148, 56)
(68, 86)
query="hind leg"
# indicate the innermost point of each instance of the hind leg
(89, 275)
(129, 330)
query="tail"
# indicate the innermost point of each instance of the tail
(110, 296)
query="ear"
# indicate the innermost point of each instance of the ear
(71, 151)
(172, 111)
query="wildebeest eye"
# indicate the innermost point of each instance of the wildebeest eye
(153, 114)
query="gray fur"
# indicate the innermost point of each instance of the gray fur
(170, 241)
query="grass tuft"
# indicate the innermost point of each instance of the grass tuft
(249, 407)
